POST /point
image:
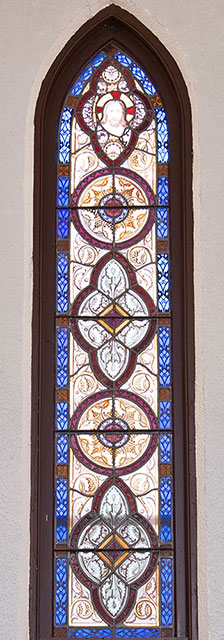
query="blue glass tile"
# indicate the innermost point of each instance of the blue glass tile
(137, 633)
(163, 282)
(90, 633)
(61, 571)
(123, 59)
(133, 634)
(162, 136)
(165, 498)
(65, 135)
(61, 498)
(62, 450)
(63, 192)
(62, 357)
(86, 73)
(165, 492)
(149, 88)
(138, 72)
(165, 448)
(166, 592)
(165, 415)
(63, 223)
(165, 533)
(77, 89)
(61, 533)
(163, 191)
(61, 592)
(164, 356)
(162, 223)
(62, 283)
(62, 416)
(60, 606)
(96, 61)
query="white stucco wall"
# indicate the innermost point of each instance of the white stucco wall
(32, 33)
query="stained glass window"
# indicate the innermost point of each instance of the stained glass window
(114, 559)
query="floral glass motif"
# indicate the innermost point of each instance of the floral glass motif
(113, 431)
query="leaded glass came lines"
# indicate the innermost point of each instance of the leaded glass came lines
(113, 425)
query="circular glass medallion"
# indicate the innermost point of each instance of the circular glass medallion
(113, 209)
(113, 433)
(102, 199)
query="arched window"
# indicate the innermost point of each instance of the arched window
(113, 442)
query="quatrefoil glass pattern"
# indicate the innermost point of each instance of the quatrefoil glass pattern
(113, 437)
(113, 319)
(111, 539)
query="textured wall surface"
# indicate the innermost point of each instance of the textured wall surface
(32, 33)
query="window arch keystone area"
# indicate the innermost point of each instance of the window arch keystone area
(113, 489)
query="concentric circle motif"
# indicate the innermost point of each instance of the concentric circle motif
(117, 208)
(113, 433)
(113, 208)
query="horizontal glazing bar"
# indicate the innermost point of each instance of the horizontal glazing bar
(131, 431)
(157, 316)
(64, 402)
(131, 207)
(161, 549)
(126, 320)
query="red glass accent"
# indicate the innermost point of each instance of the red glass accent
(92, 92)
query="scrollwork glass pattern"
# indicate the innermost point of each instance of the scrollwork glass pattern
(113, 426)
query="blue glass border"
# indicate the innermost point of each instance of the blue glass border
(61, 595)
(166, 594)
(65, 135)
(162, 136)
(86, 73)
(62, 282)
(62, 357)
(129, 632)
(163, 282)
(163, 332)
(164, 356)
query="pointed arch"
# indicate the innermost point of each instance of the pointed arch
(116, 26)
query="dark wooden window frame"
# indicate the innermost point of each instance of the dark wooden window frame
(117, 26)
